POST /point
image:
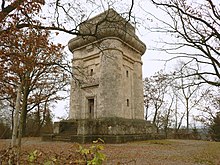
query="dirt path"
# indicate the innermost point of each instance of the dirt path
(152, 152)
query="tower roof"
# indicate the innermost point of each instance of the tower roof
(104, 25)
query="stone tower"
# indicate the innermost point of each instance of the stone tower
(107, 91)
(108, 68)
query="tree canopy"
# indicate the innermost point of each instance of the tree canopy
(195, 27)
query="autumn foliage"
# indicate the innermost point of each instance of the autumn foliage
(29, 59)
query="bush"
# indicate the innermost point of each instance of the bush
(215, 128)
(5, 131)
(92, 155)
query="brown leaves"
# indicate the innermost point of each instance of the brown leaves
(28, 57)
(146, 152)
(20, 12)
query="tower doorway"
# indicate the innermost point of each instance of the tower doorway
(91, 108)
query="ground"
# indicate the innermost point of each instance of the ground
(152, 152)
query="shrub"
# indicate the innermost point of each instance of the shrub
(5, 131)
(215, 128)
(92, 155)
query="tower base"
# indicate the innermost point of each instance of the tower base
(111, 130)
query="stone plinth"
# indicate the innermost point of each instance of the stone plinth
(111, 130)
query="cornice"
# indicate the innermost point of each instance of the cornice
(127, 38)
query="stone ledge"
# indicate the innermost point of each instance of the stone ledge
(111, 139)
(111, 130)
(104, 126)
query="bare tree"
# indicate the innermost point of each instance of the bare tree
(168, 115)
(187, 90)
(155, 89)
(59, 16)
(195, 25)
(209, 105)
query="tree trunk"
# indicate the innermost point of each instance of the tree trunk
(20, 132)
(22, 126)
(167, 117)
(176, 117)
(16, 117)
(24, 121)
(155, 116)
(24, 108)
(38, 122)
(187, 115)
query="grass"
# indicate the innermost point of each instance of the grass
(210, 155)
(160, 142)
(188, 151)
